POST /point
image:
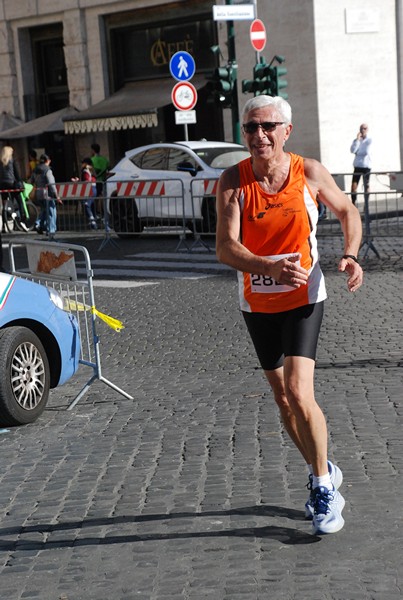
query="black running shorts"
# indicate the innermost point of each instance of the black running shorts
(290, 333)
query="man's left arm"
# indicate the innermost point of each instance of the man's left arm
(331, 195)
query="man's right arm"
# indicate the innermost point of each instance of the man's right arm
(355, 146)
(229, 249)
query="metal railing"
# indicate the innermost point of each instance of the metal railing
(54, 265)
(381, 208)
(141, 206)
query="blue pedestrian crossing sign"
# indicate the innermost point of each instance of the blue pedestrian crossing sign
(182, 66)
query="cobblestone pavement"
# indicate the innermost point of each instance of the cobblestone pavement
(192, 490)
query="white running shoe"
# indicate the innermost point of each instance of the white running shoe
(328, 505)
(336, 477)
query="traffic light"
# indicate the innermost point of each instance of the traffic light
(278, 83)
(266, 80)
(259, 70)
(222, 84)
(248, 86)
(260, 83)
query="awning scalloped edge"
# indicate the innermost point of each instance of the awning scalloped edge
(111, 123)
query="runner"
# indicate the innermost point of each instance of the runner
(267, 209)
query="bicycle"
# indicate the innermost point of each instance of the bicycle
(19, 215)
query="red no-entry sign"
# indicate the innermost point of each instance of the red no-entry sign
(258, 35)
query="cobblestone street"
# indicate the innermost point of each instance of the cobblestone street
(193, 490)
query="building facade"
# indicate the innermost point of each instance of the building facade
(102, 67)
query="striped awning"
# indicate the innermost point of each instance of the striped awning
(132, 107)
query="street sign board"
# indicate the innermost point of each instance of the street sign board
(182, 66)
(233, 12)
(183, 117)
(258, 35)
(184, 95)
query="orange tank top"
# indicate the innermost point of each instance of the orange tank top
(274, 225)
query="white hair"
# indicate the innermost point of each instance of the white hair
(277, 102)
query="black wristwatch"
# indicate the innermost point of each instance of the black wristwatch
(351, 256)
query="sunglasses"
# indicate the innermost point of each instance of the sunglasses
(266, 127)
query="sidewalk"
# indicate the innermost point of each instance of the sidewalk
(192, 490)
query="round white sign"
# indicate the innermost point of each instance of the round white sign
(184, 96)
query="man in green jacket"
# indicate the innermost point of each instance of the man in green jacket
(101, 168)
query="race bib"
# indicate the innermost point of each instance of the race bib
(264, 284)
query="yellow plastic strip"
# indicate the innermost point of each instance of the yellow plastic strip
(113, 323)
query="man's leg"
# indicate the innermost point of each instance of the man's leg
(325, 502)
(276, 381)
(303, 419)
(354, 185)
(52, 214)
(309, 418)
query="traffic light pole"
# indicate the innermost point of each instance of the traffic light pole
(236, 128)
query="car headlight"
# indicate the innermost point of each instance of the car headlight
(56, 298)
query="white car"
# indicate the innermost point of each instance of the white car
(169, 184)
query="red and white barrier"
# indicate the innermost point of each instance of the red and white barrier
(210, 187)
(75, 189)
(140, 188)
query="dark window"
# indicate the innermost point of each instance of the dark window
(50, 71)
(180, 158)
(155, 159)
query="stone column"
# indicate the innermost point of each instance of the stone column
(8, 75)
(76, 57)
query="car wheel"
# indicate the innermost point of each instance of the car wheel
(124, 217)
(24, 376)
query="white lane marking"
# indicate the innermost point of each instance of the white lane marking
(145, 273)
(121, 283)
(156, 263)
(187, 256)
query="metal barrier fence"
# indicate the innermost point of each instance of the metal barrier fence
(78, 209)
(142, 206)
(149, 204)
(54, 265)
(381, 208)
(73, 214)
(203, 193)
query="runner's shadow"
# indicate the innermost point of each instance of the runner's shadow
(284, 535)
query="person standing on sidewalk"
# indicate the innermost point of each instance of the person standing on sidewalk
(101, 167)
(361, 147)
(267, 211)
(46, 195)
(87, 175)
